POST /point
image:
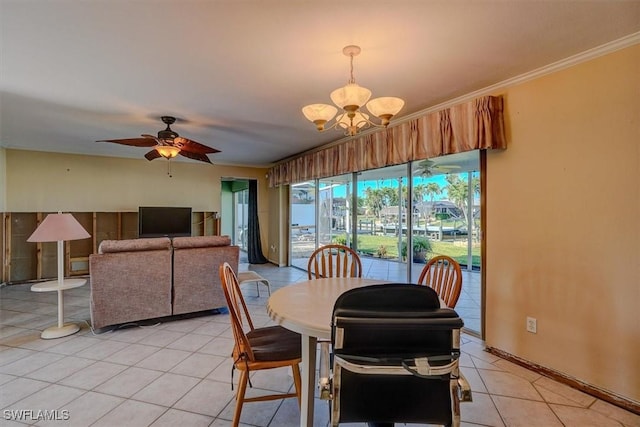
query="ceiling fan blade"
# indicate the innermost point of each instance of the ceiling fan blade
(195, 156)
(134, 142)
(192, 146)
(145, 135)
(153, 154)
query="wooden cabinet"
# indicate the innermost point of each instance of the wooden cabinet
(205, 224)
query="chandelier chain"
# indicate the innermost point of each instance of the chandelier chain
(352, 79)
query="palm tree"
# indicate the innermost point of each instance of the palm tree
(431, 190)
(374, 200)
(458, 191)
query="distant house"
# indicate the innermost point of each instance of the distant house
(425, 209)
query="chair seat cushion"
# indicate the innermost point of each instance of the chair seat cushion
(275, 343)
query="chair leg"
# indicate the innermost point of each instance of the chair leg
(297, 381)
(242, 388)
(455, 403)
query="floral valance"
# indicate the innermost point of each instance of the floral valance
(473, 125)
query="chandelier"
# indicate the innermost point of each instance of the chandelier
(351, 98)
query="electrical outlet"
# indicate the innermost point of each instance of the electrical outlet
(532, 325)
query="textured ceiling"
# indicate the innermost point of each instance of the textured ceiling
(236, 73)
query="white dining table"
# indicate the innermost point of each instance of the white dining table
(306, 307)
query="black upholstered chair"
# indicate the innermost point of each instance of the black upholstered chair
(395, 357)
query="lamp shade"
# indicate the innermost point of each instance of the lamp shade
(350, 94)
(56, 227)
(167, 151)
(386, 105)
(315, 112)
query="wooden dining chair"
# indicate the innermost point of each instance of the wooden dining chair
(443, 274)
(257, 348)
(334, 261)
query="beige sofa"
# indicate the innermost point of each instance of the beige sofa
(196, 282)
(149, 278)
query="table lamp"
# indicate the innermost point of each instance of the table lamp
(58, 228)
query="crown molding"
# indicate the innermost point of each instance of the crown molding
(596, 52)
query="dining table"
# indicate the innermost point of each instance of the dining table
(306, 307)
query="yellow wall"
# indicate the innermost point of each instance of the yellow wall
(45, 182)
(563, 224)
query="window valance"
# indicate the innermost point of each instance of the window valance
(472, 125)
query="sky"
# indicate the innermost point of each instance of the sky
(340, 190)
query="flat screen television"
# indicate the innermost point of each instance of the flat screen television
(158, 221)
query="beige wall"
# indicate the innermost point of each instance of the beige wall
(45, 182)
(3, 179)
(279, 225)
(563, 224)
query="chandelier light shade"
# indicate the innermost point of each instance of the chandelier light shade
(350, 95)
(385, 107)
(319, 114)
(351, 98)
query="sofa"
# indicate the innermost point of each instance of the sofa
(148, 278)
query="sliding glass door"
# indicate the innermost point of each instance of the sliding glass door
(335, 210)
(302, 227)
(381, 223)
(396, 218)
(241, 211)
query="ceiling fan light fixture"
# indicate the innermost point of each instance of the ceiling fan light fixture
(351, 98)
(167, 151)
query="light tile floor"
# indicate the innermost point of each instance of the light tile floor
(178, 373)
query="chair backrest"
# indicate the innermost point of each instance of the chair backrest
(389, 318)
(334, 261)
(240, 319)
(443, 274)
(378, 331)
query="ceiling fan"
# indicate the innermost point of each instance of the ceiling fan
(429, 168)
(168, 144)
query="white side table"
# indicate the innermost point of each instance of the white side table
(61, 330)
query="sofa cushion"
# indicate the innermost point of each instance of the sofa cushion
(200, 241)
(134, 245)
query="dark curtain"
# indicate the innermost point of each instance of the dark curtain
(254, 245)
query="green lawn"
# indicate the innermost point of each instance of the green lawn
(370, 245)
